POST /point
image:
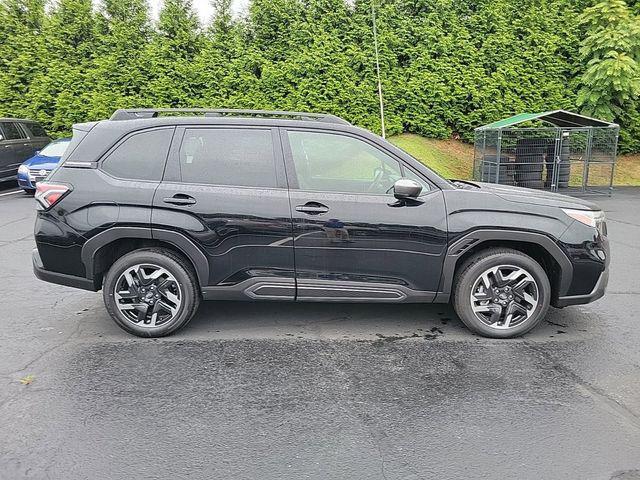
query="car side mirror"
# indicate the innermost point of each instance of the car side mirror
(406, 188)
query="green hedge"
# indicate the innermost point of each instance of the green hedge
(448, 66)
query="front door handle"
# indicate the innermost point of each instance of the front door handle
(312, 208)
(180, 199)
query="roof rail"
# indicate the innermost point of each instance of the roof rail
(139, 113)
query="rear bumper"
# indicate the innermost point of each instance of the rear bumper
(59, 278)
(595, 294)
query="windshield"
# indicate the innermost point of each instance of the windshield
(55, 149)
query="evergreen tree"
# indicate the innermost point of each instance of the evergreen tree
(447, 66)
(170, 56)
(56, 95)
(118, 71)
(21, 52)
(223, 72)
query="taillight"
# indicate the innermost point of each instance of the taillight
(48, 194)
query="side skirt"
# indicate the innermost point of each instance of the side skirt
(316, 291)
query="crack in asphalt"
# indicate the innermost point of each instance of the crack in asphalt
(45, 352)
(4, 243)
(616, 242)
(609, 219)
(15, 221)
(596, 393)
(375, 432)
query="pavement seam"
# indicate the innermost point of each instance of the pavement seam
(596, 393)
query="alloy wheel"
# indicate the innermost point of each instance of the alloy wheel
(504, 296)
(148, 295)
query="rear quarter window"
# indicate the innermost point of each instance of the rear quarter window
(140, 156)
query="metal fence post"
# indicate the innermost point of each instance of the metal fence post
(613, 160)
(587, 160)
(498, 155)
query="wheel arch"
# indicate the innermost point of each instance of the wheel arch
(540, 247)
(99, 252)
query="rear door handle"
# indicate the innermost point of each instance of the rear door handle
(180, 199)
(312, 208)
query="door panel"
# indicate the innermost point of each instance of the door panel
(366, 239)
(360, 244)
(243, 230)
(11, 149)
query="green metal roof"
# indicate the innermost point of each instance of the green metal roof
(559, 118)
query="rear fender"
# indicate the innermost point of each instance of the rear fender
(178, 240)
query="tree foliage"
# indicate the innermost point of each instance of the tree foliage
(447, 65)
(611, 53)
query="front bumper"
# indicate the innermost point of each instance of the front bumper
(588, 250)
(59, 278)
(595, 294)
(25, 182)
(30, 180)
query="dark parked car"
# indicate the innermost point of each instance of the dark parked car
(163, 211)
(19, 140)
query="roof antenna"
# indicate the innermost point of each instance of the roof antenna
(375, 44)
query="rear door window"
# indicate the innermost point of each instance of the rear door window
(35, 129)
(228, 156)
(11, 131)
(140, 156)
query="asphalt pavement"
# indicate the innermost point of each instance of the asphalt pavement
(334, 391)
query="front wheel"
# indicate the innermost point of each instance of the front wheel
(501, 293)
(151, 292)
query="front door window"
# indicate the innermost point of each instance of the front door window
(326, 162)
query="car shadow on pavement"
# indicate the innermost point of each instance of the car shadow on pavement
(348, 321)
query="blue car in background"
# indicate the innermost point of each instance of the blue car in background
(40, 165)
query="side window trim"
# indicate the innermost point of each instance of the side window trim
(173, 171)
(290, 168)
(123, 139)
(25, 131)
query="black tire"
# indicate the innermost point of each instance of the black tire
(181, 271)
(29, 191)
(528, 177)
(492, 172)
(471, 271)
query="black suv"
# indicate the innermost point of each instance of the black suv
(163, 208)
(19, 140)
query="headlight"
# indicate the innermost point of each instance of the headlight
(23, 169)
(592, 218)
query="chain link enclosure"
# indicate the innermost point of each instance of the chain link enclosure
(562, 152)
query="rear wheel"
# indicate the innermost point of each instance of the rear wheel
(501, 293)
(29, 191)
(151, 292)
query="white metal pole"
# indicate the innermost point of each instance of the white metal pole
(375, 44)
